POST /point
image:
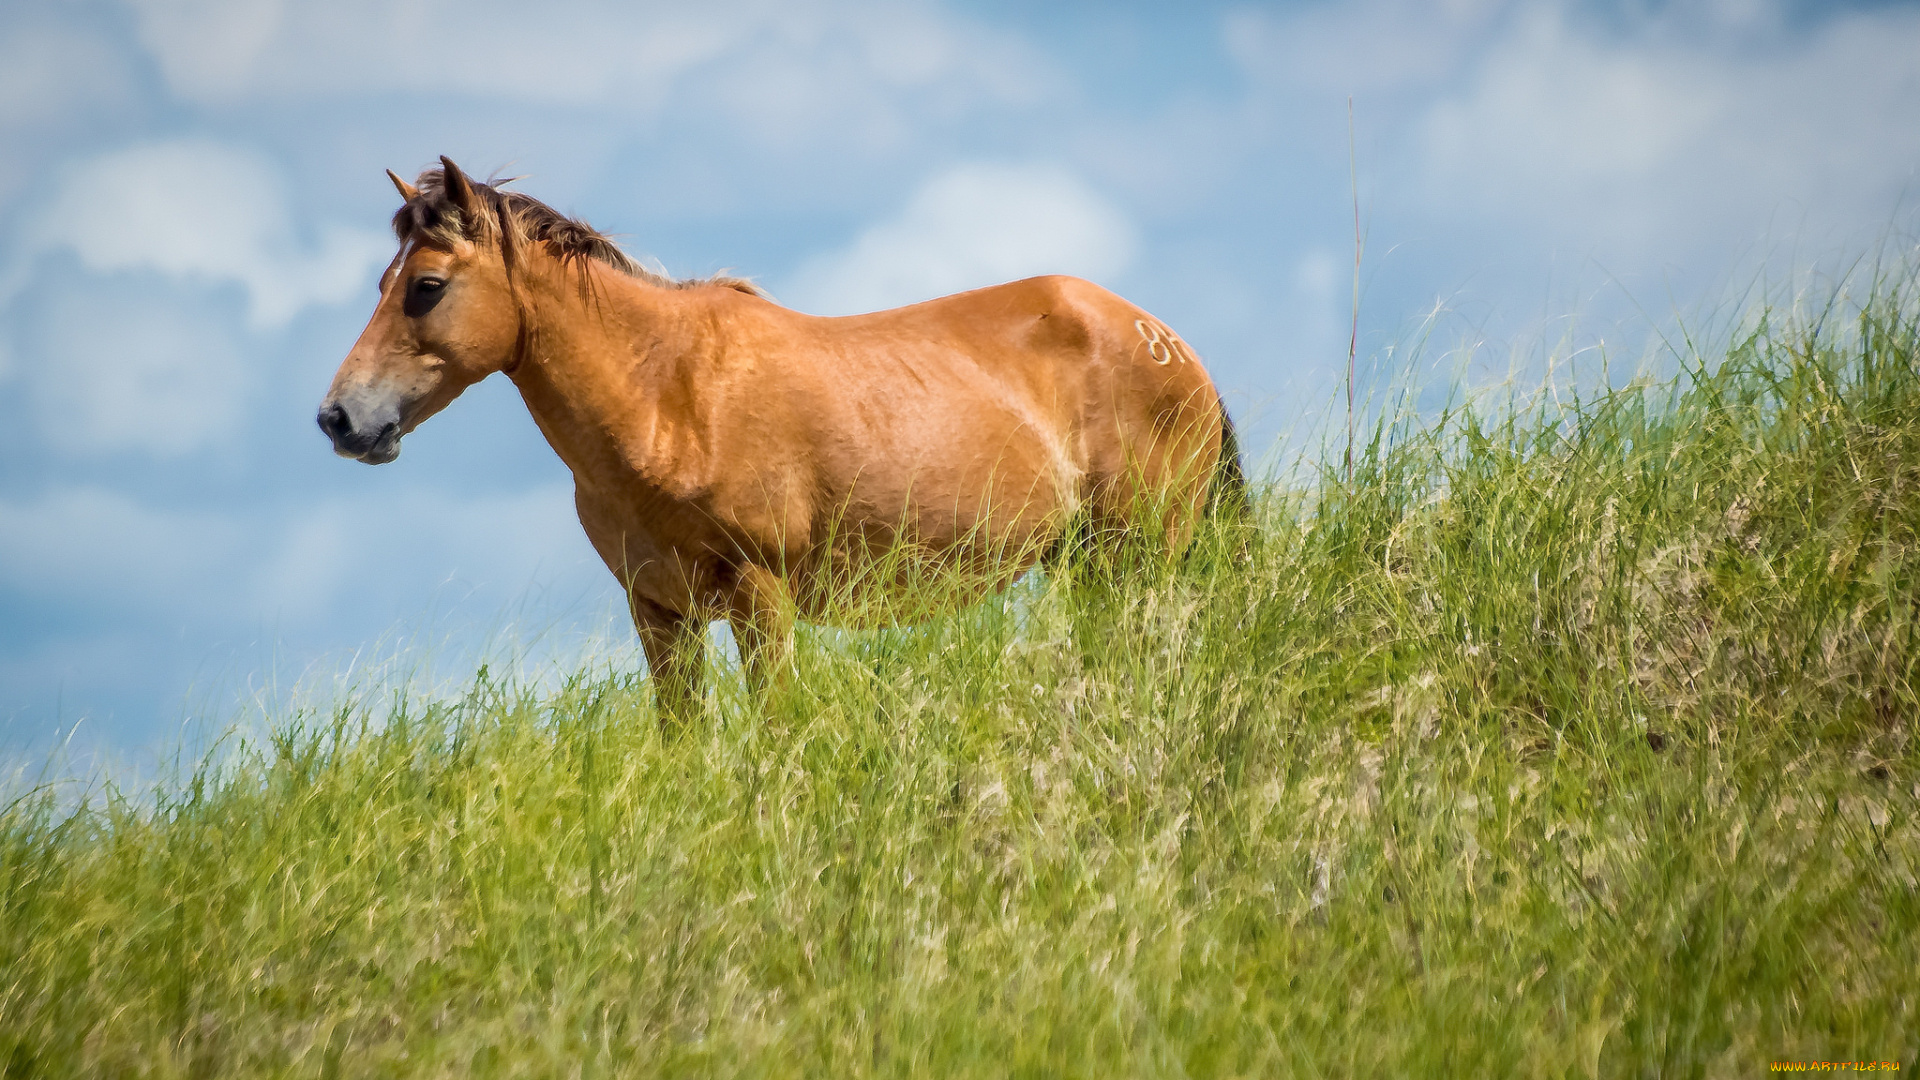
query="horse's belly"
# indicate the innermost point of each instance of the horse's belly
(899, 585)
(933, 542)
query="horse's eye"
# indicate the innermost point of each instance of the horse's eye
(422, 294)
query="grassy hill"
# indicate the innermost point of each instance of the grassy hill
(1572, 740)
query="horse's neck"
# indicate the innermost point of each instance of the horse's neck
(603, 371)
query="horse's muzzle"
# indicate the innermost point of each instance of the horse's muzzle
(376, 447)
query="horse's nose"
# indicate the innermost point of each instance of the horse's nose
(333, 421)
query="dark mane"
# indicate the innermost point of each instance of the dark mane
(516, 220)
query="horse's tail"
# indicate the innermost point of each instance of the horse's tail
(1227, 496)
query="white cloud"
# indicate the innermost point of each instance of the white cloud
(386, 554)
(218, 51)
(94, 546)
(1556, 120)
(869, 74)
(54, 80)
(1316, 309)
(1668, 135)
(1368, 48)
(783, 102)
(119, 369)
(1645, 137)
(379, 548)
(626, 57)
(50, 72)
(971, 226)
(208, 213)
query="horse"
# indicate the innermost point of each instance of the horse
(733, 458)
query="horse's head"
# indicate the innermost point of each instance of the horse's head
(447, 317)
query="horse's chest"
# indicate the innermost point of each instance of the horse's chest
(665, 550)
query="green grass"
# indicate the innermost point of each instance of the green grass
(1570, 740)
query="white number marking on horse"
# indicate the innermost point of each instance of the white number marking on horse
(1163, 345)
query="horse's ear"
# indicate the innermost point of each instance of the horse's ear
(407, 191)
(460, 192)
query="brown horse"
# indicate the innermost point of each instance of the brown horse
(734, 458)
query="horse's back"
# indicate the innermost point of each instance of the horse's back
(1066, 344)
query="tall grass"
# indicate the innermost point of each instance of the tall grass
(1564, 739)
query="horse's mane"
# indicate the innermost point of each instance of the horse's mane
(515, 220)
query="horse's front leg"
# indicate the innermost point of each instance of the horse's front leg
(676, 647)
(761, 614)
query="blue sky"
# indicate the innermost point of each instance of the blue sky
(193, 209)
